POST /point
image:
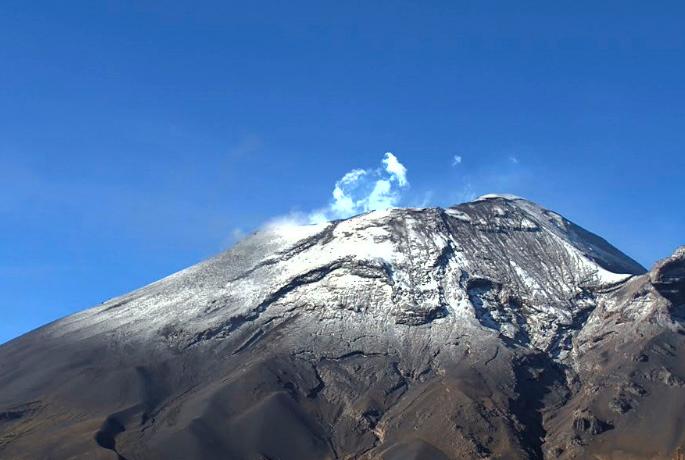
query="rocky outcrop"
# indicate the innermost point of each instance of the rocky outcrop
(668, 277)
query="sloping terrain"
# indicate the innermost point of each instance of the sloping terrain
(493, 329)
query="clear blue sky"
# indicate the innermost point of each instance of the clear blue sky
(139, 137)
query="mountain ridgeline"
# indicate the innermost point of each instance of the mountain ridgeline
(493, 329)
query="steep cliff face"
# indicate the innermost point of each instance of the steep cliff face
(493, 329)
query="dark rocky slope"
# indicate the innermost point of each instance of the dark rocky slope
(493, 329)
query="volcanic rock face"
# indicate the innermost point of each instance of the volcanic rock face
(493, 329)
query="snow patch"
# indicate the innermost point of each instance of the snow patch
(459, 215)
(492, 196)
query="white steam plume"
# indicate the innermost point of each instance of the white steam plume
(363, 190)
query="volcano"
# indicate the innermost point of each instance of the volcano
(492, 329)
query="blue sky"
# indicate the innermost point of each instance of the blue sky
(137, 138)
